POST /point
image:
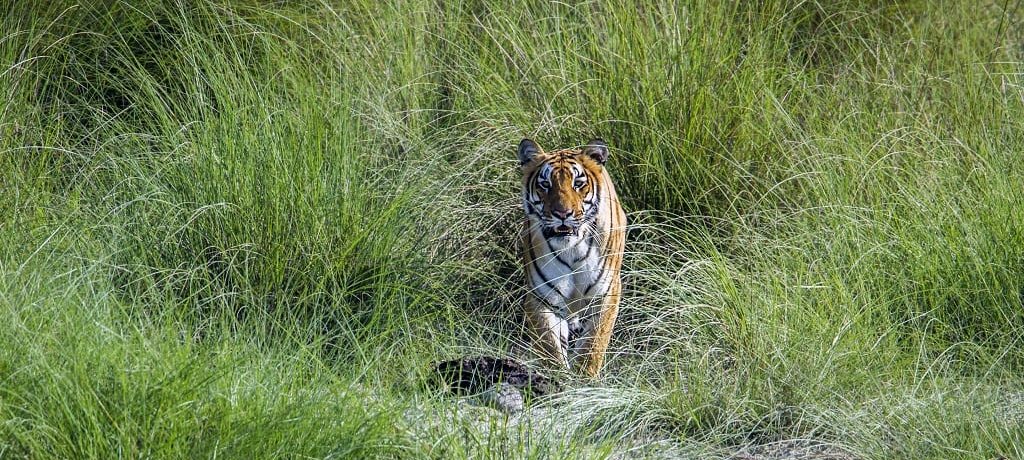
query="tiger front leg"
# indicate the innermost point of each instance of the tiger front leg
(550, 333)
(589, 349)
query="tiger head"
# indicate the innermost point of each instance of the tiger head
(561, 189)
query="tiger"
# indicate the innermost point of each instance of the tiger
(573, 241)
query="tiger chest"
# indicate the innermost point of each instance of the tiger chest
(568, 273)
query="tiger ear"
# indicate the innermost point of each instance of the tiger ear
(527, 150)
(597, 150)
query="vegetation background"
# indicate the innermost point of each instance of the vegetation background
(245, 229)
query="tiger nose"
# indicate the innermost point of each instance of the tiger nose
(561, 213)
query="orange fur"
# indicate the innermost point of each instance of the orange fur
(566, 287)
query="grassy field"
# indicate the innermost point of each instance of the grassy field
(242, 230)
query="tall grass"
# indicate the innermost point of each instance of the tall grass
(245, 229)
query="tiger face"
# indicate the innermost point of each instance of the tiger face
(561, 188)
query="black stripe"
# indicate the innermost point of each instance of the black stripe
(589, 250)
(558, 257)
(595, 201)
(530, 193)
(596, 280)
(532, 207)
(547, 244)
(558, 254)
(536, 289)
(578, 243)
(540, 273)
(604, 265)
(532, 179)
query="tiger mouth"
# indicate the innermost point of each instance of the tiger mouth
(561, 230)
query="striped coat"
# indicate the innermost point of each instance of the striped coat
(573, 241)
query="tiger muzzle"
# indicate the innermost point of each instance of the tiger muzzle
(566, 225)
